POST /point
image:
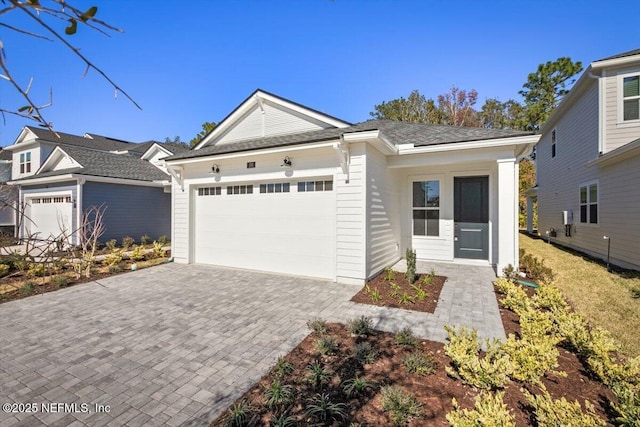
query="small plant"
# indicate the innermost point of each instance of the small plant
(283, 420)
(277, 394)
(114, 269)
(489, 410)
(60, 280)
(401, 405)
(145, 239)
(389, 274)
(239, 414)
(361, 326)
(28, 287)
(356, 386)
(158, 250)
(318, 375)
(35, 270)
(375, 296)
(420, 293)
(326, 345)
(406, 299)
(4, 270)
(283, 367)
(111, 244)
(364, 353)
(510, 273)
(318, 326)
(535, 268)
(114, 258)
(163, 240)
(395, 289)
(137, 253)
(561, 412)
(321, 408)
(420, 363)
(532, 357)
(410, 257)
(127, 242)
(628, 406)
(635, 292)
(405, 337)
(432, 273)
(426, 280)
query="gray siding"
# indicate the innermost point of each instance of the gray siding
(131, 210)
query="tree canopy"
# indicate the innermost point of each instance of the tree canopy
(206, 128)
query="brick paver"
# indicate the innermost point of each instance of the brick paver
(177, 344)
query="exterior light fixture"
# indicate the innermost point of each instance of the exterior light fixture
(215, 169)
(286, 163)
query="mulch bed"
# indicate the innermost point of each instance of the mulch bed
(434, 391)
(382, 284)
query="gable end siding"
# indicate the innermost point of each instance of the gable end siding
(617, 134)
(130, 210)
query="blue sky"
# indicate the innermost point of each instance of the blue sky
(190, 62)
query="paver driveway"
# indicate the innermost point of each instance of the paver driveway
(176, 344)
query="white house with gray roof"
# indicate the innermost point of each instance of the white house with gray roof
(61, 175)
(280, 187)
(588, 164)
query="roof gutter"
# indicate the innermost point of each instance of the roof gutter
(530, 140)
(90, 178)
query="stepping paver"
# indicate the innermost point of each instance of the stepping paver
(176, 344)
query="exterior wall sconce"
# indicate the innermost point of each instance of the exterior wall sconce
(215, 169)
(286, 163)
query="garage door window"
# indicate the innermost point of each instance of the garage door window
(240, 189)
(275, 187)
(308, 186)
(209, 191)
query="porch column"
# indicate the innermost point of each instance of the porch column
(507, 214)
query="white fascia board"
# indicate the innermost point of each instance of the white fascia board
(616, 62)
(149, 153)
(406, 149)
(240, 154)
(22, 135)
(451, 157)
(44, 180)
(302, 110)
(22, 145)
(87, 178)
(53, 157)
(375, 138)
(621, 153)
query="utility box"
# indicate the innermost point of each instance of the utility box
(567, 217)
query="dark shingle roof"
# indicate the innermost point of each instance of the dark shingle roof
(396, 132)
(6, 154)
(104, 164)
(95, 142)
(621, 55)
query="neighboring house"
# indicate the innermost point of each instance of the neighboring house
(280, 187)
(588, 163)
(8, 195)
(60, 176)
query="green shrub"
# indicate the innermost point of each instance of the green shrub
(532, 358)
(28, 287)
(515, 298)
(361, 326)
(239, 414)
(321, 408)
(35, 270)
(127, 242)
(489, 410)
(487, 373)
(551, 412)
(163, 240)
(535, 268)
(283, 420)
(535, 323)
(628, 406)
(405, 337)
(278, 394)
(137, 253)
(510, 273)
(326, 345)
(111, 244)
(4, 270)
(318, 326)
(406, 299)
(401, 405)
(410, 257)
(356, 386)
(420, 293)
(420, 363)
(60, 280)
(364, 353)
(145, 239)
(113, 258)
(548, 297)
(114, 268)
(318, 375)
(283, 367)
(158, 250)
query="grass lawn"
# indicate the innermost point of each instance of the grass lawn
(604, 298)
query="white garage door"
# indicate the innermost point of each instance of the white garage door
(277, 226)
(49, 217)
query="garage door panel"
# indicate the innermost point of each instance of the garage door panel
(287, 233)
(49, 219)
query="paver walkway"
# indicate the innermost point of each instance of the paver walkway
(176, 344)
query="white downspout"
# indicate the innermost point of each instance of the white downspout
(79, 187)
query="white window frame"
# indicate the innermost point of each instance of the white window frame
(620, 104)
(587, 185)
(554, 139)
(25, 162)
(439, 208)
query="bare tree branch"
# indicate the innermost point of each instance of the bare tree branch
(28, 33)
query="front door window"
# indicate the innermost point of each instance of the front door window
(426, 208)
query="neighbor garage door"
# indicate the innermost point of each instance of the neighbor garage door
(49, 217)
(284, 227)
